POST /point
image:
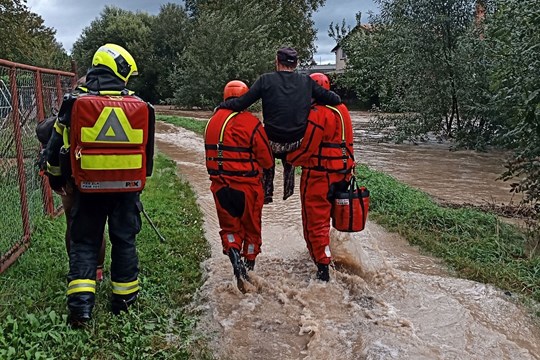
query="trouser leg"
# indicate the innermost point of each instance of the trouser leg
(89, 215)
(251, 221)
(316, 210)
(230, 206)
(124, 225)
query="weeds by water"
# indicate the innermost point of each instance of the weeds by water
(32, 291)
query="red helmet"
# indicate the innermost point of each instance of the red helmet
(321, 79)
(234, 88)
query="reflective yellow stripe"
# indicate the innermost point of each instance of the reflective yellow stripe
(81, 285)
(112, 126)
(53, 170)
(111, 162)
(125, 288)
(59, 127)
(342, 122)
(82, 281)
(224, 125)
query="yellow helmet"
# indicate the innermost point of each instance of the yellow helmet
(116, 58)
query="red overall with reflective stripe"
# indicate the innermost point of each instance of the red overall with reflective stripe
(237, 150)
(108, 137)
(326, 157)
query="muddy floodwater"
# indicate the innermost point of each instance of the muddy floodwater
(384, 300)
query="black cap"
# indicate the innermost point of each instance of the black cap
(287, 56)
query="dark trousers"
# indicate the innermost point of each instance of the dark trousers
(89, 214)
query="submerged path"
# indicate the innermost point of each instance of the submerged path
(386, 300)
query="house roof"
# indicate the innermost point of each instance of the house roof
(365, 27)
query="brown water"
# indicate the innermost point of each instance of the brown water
(452, 176)
(386, 301)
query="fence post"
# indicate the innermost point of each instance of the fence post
(19, 151)
(46, 192)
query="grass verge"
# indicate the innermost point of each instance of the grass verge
(32, 295)
(194, 125)
(474, 243)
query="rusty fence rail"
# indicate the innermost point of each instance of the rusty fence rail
(28, 94)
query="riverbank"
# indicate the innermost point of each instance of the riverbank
(474, 243)
(32, 291)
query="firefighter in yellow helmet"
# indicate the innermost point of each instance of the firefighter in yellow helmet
(104, 142)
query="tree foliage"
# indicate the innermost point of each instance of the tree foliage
(238, 40)
(24, 38)
(515, 45)
(466, 69)
(128, 29)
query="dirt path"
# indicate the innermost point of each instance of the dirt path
(387, 301)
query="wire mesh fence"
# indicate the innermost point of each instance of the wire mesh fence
(27, 95)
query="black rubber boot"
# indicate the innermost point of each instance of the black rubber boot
(238, 267)
(249, 264)
(322, 272)
(121, 303)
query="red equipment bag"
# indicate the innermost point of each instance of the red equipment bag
(350, 208)
(108, 143)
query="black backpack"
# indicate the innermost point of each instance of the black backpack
(44, 130)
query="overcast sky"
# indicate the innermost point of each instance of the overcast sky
(69, 17)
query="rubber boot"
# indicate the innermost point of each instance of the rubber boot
(249, 264)
(238, 267)
(323, 273)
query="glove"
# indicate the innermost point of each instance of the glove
(57, 183)
(41, 161)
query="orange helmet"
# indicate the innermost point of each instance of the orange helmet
(321, 79)
(234, 88)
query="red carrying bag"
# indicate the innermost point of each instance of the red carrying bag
(350, 208)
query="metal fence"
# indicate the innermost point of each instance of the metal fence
(28, 94)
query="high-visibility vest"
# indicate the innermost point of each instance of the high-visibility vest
(107, 138)
(228, 148)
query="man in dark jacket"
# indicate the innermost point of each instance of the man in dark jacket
(286, 101)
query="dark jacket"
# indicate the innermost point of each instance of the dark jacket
(286, 102)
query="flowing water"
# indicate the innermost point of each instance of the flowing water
(384, 301)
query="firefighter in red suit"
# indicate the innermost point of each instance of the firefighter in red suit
(327, 160)
(237, 151)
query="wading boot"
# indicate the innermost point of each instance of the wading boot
(249, 264)
(322, 272)
(239, 270)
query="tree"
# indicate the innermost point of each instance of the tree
(238, 40)
(413, 58)
(25, 39)
(515, 43)
(171, 33)
(133, 31)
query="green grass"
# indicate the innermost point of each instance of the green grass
(476, 244)
(32, 291)
(187, 123)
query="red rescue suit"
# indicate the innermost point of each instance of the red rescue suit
(237, 151)
(327, 159)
